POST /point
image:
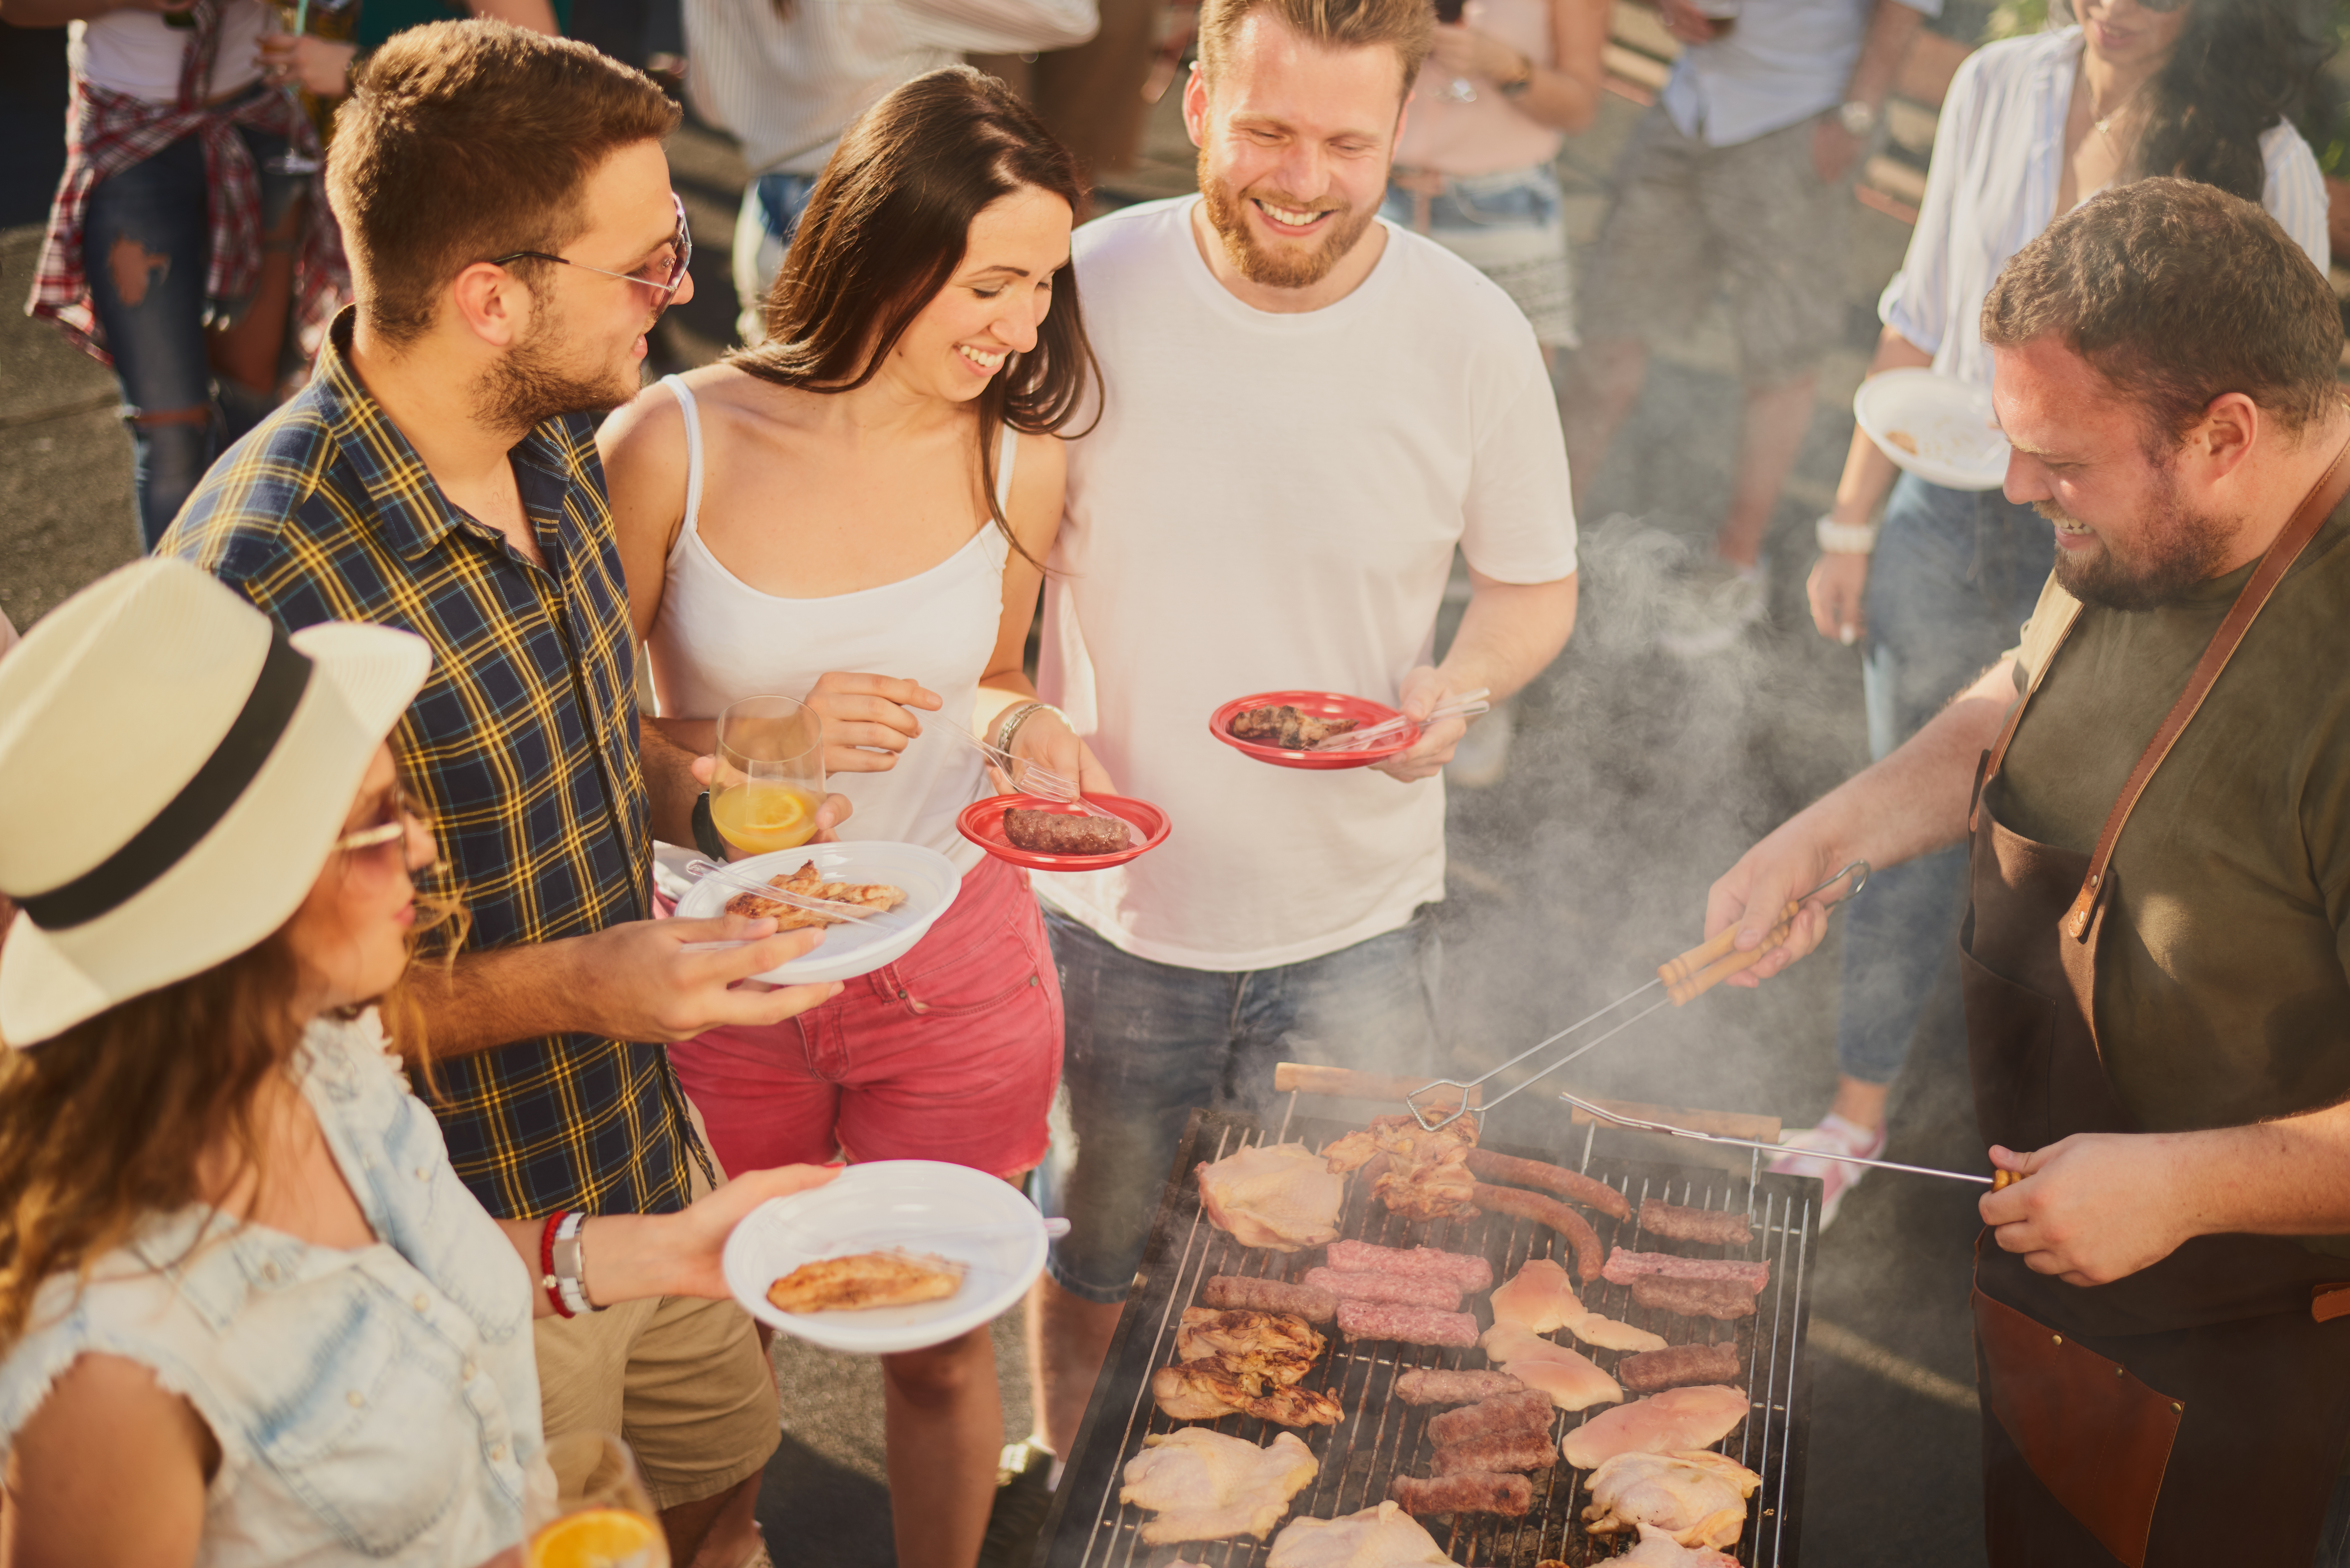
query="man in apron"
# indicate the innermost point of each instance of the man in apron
(2156, 787)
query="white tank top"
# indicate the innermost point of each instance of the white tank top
(719, 640)
(137, 53)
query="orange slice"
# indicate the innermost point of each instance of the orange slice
(600, 1538)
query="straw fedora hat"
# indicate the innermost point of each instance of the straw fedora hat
(173, 772)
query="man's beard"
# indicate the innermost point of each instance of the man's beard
(530, 383)
(1283, 268)
(2176, 549)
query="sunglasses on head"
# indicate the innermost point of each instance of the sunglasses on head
(664, 274)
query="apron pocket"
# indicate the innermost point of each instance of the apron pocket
(2096, 1438)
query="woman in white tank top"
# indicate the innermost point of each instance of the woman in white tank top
(854, 512)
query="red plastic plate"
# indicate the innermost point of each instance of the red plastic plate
(982, 822)
(1316, 705)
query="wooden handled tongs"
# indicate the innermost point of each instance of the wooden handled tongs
(1599, 1109)
(1684, 979)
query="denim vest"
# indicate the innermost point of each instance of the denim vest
(374, 1404)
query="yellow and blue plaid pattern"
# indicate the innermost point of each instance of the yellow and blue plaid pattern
(522, 746)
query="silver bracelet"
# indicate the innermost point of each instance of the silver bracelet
(571, 1263)
(1845, 538)
(1009, 728)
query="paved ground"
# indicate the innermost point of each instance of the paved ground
(1636, 781)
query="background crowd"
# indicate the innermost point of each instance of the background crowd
(190, 247)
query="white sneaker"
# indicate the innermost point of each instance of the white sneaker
(1714, 603)
(1836, 1177)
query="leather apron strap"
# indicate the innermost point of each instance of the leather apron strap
(2315, 507)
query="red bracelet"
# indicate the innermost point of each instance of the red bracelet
(547, 1279)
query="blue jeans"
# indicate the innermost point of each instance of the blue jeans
(1148, 1042)
(146, 246)
(1954, 578)
(770, 216)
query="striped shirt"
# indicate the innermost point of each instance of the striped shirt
(1998, 155)
(787, 89)
(521, 747)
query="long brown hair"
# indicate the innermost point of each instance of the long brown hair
(885, 227)
(124, 1116)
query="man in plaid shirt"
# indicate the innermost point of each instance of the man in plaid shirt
(507, 209)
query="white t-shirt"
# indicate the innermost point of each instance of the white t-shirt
(138, 53)
(1272, 501)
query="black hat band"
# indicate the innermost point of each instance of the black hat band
(184, 820)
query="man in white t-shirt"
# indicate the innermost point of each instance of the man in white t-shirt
(1305, 410)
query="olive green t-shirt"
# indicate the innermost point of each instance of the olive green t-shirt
(2221, 992)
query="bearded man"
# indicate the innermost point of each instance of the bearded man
(1305, 411)
(507, 209)
(2154, 960)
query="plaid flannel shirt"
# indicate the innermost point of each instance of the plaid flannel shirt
(521, 747)
(107, 132)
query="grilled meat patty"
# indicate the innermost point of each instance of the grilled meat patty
(1063, 832)
(1507, 1495)
(1714, 1226)
(1441, 1385)
(1724, 1299)
(1285, 726)
(1677, 1365)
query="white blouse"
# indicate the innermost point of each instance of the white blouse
(376, 1404)
(1998, 156)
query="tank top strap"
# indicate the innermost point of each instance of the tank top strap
(1006, 457)
(685, 403)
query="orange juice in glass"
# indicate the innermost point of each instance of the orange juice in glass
(769, 778)
(600, 1515)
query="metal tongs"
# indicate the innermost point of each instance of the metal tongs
(1467, 705)
(1995, 1181)
(1684, 978)
(832, 908)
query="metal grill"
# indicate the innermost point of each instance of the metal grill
(1381, 1437)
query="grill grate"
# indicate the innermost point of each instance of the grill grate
(1381, 1437)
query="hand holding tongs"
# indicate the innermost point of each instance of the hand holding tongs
(1995, 1181)
(833, 909)
(1467, 705)
(1699, 970)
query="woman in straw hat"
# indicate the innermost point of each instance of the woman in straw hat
(236, 1269)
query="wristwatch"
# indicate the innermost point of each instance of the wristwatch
(1856, 117)
(706, 837)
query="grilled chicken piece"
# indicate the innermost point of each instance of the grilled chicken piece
(1401, 1135)
(1280, 1196)
(1657, 1549)
(1381, 1537)
(866, 1279)
(1204, 1486)
(1274, 1345)
(1285, 726)
(1422, 1176)
(1672, 1422)
(877, 897)
(1604, 1332)
(1698, 1498)
(1539, 1298)
(1213, 1387)
(1570, 1379)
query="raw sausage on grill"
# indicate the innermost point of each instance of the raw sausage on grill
(1528, 1412)
(1724, 1299)
(1439, 1385)
(1679, 1365)
(1512, 1451)
(1509, 1496)
(1230, 1291)
(1718, 1227)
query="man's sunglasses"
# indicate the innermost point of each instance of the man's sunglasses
(664, 274)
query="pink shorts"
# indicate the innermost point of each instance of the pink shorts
(952, 1052)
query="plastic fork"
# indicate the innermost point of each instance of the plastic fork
(1031, 778)
(858, 914)
(1466, 705)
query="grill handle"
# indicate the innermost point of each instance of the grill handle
(1346, 1083)
(1719, 1124)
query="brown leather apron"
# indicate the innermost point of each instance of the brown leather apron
(2195, 1412)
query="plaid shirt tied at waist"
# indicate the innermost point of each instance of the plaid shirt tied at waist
(107, 132)
(521, 747)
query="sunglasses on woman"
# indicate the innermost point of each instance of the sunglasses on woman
(400, 815)
(664, 274)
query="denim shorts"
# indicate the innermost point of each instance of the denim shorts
(1148, 1042)
(1510, 226)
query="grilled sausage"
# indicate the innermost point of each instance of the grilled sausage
(1440, 1386)
(1509, 1496)
(1063, 832)
(1508, 1452)
(1510, 1170)
(1504, 1414)
(1465, 1270)
(1678, 1367)
(1624, 1266)
(1716, 1227)
(1226, 1292)
(1722, 1299)
(1410, 1326)
(1401, 1289)
(1547, 1212)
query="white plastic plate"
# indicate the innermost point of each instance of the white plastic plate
(849, 949)
(1958, 444)
(920, 1205)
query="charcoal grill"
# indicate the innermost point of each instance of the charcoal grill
(1381, 1437)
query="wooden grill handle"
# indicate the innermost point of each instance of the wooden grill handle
(2000, 1178)
(1347, 1083)
(1710, 963)
(1720, 1124)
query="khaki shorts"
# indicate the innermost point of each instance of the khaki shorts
(1755, 220)
(680, 1378)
